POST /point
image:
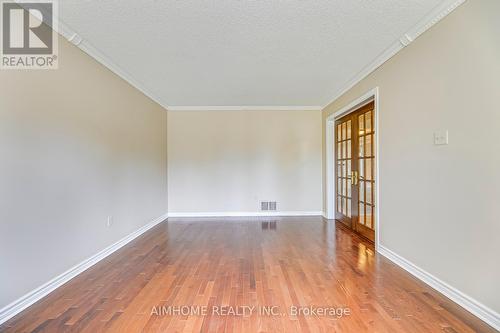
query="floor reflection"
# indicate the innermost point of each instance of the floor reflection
(269, 225)
(308, 262)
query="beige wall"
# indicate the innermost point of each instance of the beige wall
(439, 204)
(227, 161)
(77, 144)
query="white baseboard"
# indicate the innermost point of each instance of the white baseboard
(244, 214)
(473, 306)
(30, 298)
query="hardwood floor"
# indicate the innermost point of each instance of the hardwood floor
(217, 265)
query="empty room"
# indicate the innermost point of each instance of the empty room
(250, 166)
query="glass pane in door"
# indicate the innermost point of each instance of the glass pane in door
(361, 213)
(368, 217)
(343, 146)
(368, 145)
(366, 167)
(368, 122)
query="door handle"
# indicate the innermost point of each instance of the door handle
(354, 178)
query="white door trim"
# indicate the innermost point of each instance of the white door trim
(366, 98)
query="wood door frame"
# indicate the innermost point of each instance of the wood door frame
(370, 96)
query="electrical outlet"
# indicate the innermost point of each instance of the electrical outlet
(109, 223)
(441, 138)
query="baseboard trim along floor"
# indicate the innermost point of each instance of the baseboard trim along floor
(30, 298)
(473, 306)
(245, 214)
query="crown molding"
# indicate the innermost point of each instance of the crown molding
(436, 15)
(245, 108)
(64, 30)
(74, 38)
(71, 36)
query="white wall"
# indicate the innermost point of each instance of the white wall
(77, 144)
(227, 161)
(439, 204)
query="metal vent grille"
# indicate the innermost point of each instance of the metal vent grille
(268, 205)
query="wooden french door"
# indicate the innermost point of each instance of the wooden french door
(355, 170)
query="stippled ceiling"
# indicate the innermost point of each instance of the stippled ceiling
(243, 52)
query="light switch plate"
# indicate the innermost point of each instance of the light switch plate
(109, 222)
(441, 138)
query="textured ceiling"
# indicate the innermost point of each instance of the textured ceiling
(243, 52)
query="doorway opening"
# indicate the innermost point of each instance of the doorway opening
(354, 170)
(352, 166)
